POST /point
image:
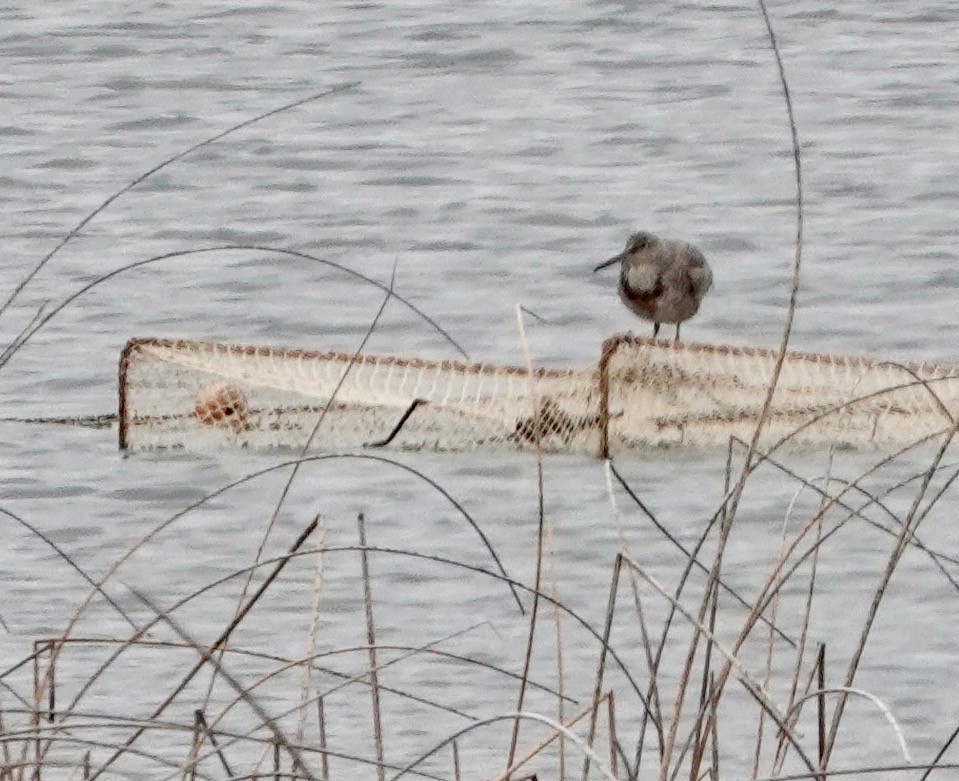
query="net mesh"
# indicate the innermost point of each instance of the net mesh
(665, 394)
(642, 393)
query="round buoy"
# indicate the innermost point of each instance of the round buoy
(223, 405)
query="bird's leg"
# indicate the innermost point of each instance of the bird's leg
(676, 340)
(655, 330)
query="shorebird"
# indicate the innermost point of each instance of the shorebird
(661, 280)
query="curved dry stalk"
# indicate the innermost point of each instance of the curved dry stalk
(130, 642)
(557, 623)
(691, 556)
(775, 583)
(556, 735)
(407, 654)
(67, 738)
(109, 721)
(13, 349)
(737, 491)
(71, 562)
(913, 519)
(511, 584)
(863, 771)
(446, 562)
(780, 755)
(159, 167)
(937, 556)
(704, 630)
(571, 736)
(265, 719)
(288, 485)
(135, 640)
(886, 711)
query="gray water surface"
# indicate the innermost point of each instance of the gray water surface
(494, 153)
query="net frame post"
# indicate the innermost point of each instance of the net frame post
(129, 349)
(610, 346)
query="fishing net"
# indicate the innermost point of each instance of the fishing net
(642, 393)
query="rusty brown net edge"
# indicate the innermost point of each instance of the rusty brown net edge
(122, 407)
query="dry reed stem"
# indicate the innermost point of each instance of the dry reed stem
(937, 557)
(731, 507)
(511, 584)
(695, 737)
(886, 711)
(411, 652)
(771, 640)
(557, 622)
(296, 467)
(556, 735)
(865, 770)
(5, 772)
(288, 663)
(70, 561)
(321, 727)
(714, 742)
(266, 742)
(913, 516)
(601, 666)
(213, 741)
(690, 555)
(220, 641)
(189, 766)
(259, 248)
(613, 739)
(775, 583)
(541, 515)
(22, 336)
(571, 736)
(781, 748)
(312, 634)
(278, 562)
(939, 754)
(262, 715)
(371, 641)
(653, 690)
(732, 661)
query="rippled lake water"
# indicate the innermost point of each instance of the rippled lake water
(494, 153)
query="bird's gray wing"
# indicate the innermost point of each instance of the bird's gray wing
(699, 273)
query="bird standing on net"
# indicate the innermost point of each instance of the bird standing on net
(661, 280)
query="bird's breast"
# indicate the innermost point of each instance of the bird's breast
(643, 304)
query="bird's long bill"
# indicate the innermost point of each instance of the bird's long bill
(610, 262)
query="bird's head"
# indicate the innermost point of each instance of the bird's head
(637, 243)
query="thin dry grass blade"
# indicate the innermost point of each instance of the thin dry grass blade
(371, 640)
(557, 622)
(541, 516)
(321, 726)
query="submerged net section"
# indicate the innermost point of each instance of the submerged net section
(642, 393)
(186, 394)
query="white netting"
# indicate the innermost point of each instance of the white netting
(176, 394)
(664, 394)
(642, 393)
